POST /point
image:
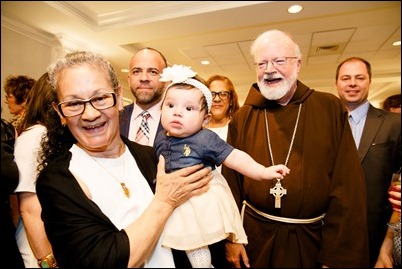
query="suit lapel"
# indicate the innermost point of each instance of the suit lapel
(373, 122)
(125, 116)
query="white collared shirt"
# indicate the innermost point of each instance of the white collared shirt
(153, 122)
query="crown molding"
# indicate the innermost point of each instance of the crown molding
(146, 12)
(59, 40)
(30, 32)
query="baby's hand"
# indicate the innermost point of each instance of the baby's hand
(282, 169)
(276, 171)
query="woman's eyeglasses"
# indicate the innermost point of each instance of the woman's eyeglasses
(223, 95)
(77, 106)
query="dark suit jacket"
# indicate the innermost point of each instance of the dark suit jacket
(380, 155)
(125, 116)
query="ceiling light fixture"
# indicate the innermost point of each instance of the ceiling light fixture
(396, 43)
(124, 70)
(205, 62)
(295, 9)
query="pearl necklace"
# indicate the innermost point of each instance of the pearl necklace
(126, 190)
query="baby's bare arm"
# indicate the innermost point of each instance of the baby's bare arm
(243, 163)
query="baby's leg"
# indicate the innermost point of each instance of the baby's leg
(200, 257)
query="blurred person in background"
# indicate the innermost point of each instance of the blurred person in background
(31, 236)
(10, 254)
(390, 252)
(17, 89)
(393, 103)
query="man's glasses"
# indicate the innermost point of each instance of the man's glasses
(77, 106)
(223, 95)
(277, 62)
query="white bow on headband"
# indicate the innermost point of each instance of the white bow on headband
(183, 74)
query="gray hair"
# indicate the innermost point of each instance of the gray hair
(81, 58)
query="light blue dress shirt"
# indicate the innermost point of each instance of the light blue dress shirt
(357, 119)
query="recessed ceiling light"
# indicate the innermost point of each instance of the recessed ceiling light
(396, 43)
(205, 62)
(124, 70)
(295, 9)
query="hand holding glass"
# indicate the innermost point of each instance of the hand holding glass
(395, 192)
(395, 199)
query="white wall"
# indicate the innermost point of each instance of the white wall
(21, 55)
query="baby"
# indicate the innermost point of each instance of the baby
(213, 216)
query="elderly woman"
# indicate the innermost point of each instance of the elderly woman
(100, 205)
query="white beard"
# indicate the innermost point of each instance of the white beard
(278, 91)
(271, 93)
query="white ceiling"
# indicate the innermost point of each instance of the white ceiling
(187, 32)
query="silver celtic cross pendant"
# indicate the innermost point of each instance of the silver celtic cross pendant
(278, 191)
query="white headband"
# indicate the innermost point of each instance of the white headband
(183, 74)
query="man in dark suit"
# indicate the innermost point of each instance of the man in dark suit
(145, 68)
(377, 135)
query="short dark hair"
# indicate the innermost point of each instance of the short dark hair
(392, 101)
(351, 59)
(19, 87)
(160, 53)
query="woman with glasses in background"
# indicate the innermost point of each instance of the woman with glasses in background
(224, 104)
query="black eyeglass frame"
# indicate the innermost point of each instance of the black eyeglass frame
(84, 102)
(223, 95)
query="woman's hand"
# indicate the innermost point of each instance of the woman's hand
(177, 187)
(395, 197)
(236, 255)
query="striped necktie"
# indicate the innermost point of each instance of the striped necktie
(142, 136)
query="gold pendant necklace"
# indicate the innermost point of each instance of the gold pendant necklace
(126, 190)
(278, 191)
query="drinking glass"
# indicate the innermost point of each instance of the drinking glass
(396, 180)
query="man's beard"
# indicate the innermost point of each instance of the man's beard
(278, 91)
(146, 99)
